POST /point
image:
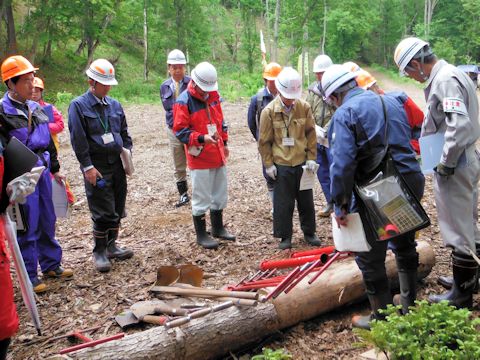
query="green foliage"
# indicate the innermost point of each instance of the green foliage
(428, 331)
(269, 354)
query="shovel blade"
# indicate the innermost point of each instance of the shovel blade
(167, 275)
(191, 274)
(126, 318)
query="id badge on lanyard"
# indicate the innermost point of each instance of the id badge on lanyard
(107, 137)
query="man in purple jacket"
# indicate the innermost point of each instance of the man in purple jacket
(169, 91)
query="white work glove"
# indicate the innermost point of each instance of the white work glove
(23, 185)
(272, 172)
(311, 165)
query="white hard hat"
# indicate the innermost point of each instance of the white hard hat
(289, 83)
(102, 71)
(205, 76)
(334, 78)
(176, 57)
(321, 63)
(406, 51)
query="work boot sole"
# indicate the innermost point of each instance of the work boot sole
(40, 288)
(65, 274)
(120, 257)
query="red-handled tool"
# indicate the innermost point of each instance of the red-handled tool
(324, 250)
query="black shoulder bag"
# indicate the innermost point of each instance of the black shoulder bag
(391, 207)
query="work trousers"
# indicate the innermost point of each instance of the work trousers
(372, 263)
(107, 204)
(285, 192)
(456, 199)
(209, 190)
(38, 243)
(324, 159)
(178, 155)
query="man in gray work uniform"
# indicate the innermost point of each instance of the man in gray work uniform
(452, 109)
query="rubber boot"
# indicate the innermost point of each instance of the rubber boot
(286, 243)
(203, 239)
(218, 230)
(113, 251)
(408, 290)
(379, 296)
(312, 239)
(183, 191)
(447, 281)
(464, 269)
(100, 251)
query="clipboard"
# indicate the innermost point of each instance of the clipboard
(19, 159)
(59, 199)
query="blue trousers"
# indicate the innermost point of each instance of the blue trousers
(324, 159)
(38, 243)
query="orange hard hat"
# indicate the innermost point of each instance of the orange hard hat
(271, 71)
(37, 82)
(16, 65)
(364, 79)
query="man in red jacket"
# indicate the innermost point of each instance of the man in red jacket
(198, 123)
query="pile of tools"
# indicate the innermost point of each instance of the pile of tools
(305, 262)
(184, 282)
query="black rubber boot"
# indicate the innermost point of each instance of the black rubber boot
(447, 281)
(285, 243)
(113, 251)
(183, 191)
(100, 251)
(326, 211)
(464, 269)
(408, 290)
(203, 239)
(312, 239)
(379, 296)
(218, 230)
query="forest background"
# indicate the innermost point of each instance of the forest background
(62, 37)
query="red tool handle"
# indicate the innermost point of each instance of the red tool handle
(91, 343)
(291, 262)
(301, 276)
(274, 293)
(324, 267)
(325, 250)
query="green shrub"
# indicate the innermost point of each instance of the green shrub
(269, 354)
(428, 331)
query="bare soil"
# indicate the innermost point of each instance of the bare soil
(161, 234)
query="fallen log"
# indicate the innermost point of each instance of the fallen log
(233, 328)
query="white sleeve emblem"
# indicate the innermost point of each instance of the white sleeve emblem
(454, 105)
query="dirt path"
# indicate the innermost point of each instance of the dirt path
(161, 234)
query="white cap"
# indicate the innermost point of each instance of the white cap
(176, 57)
(102, 71)
(406, 51)
(334, 78)
(205, 76)
(289, 83)
(321, 63)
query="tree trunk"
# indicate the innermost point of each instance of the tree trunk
(324, 35)
(10, 23)
(275, 32)
(428, 15)
(215, 335)
(145, 42)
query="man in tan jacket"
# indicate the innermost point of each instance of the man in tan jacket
(287, 141)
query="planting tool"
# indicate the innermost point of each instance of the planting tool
(166, 275)
(142, 308)
(326, 266)
(202, 292)
(236, 301)
(190, 274)
(279, 288)
(87, 342)
(198, 314)
(324, 250)
(292, 262)
(127, 318)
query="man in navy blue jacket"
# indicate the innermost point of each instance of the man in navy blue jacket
(357, 138)
(169, 92)
(98, 133)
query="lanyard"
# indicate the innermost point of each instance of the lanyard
(104, 124)
(289, 121)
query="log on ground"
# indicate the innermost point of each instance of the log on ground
(231, 329)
